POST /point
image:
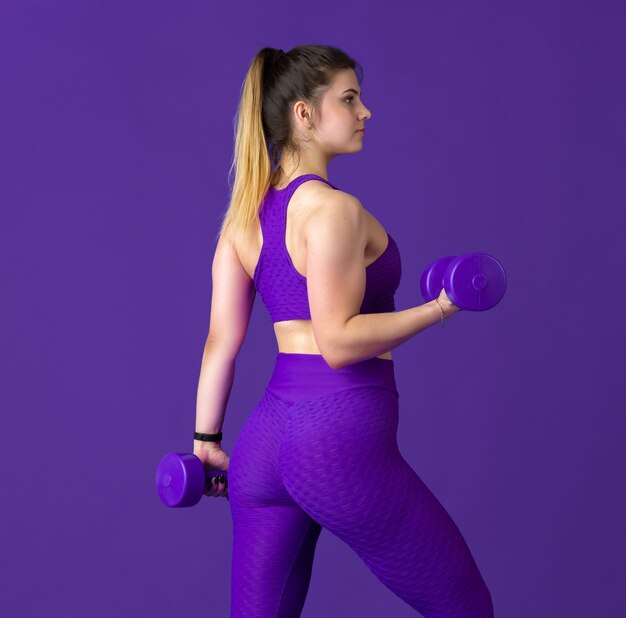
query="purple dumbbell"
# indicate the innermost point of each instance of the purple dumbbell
(473, 281)
(181, 479)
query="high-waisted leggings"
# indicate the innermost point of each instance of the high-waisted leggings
(320, 450)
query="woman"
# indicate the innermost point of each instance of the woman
(312, 452)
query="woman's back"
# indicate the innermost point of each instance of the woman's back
(274, 254)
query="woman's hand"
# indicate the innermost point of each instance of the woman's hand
(448, 307)
(213, 458)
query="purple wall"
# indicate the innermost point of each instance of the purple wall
(496, 127)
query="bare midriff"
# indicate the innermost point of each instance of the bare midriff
(296, 337)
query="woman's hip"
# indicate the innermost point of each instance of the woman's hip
(297, 378)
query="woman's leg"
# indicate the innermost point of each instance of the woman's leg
(273, 550)
(273, 538)
(340, 462)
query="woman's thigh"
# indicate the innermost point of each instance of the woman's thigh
(339, 461)
(274, 540)
(272, 561)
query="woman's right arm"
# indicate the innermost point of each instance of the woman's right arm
(336, 238)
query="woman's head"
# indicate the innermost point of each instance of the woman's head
(311, 101)
(284, 94)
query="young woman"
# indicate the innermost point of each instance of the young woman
(319, 450)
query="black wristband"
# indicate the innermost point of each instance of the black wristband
(208, 437)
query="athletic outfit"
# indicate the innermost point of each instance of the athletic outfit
(320, 450)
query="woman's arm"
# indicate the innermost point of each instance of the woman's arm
(217, 374)
(336, 237)
(369, 334)
(232, 300)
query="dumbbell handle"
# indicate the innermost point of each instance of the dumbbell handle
(166, 479)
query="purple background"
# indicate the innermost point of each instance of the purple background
(496, 127)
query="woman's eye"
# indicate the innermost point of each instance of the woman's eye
(348, 98)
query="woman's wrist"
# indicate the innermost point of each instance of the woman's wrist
(205, 444)
(451, 309)
(447, 307)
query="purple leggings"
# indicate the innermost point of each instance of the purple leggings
(320, 451)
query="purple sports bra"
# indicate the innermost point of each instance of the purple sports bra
(283, 289)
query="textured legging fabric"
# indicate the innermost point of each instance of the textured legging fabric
(320, 451)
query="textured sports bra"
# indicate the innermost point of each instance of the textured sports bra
(284, 290)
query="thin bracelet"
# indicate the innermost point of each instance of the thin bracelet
(208, 437)
(443, 322)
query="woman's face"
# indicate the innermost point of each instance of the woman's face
(341, 114)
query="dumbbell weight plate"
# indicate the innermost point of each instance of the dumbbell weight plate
(475, 281)
(431, 281)
(181, 479)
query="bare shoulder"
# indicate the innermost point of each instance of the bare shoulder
(332, 209)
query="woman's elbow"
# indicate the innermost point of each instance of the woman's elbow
(333, 364)
(224, 347)
(331, 354)
(329, 345)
